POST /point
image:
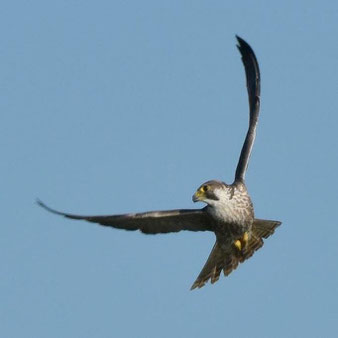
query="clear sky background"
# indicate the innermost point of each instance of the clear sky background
(126, 106)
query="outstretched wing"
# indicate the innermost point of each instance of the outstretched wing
(153, 222)
(254, 88)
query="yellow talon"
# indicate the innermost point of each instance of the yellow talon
(241, 243)
(238, 245)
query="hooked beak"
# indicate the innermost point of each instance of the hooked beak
(197, 196)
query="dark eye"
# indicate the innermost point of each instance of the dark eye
(205, 188)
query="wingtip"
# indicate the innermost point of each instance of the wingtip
(239, 39)
(242, 44)
(194, 286)
(277, 224)
(197, 285)
(44, 206)
(39, 202)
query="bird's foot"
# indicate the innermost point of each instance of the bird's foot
(241, 243)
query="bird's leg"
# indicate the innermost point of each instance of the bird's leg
(241, 243)
(238, 244)
(245, 238)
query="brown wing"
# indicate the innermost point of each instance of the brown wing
(222, 257)
(254, 88)
(153, 222)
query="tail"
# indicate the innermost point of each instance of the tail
(261, 228)
(264, 228)
(225, 256)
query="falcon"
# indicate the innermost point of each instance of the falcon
(229, 211)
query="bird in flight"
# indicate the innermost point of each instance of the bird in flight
(229, 212)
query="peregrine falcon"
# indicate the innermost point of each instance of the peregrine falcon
(229, 211)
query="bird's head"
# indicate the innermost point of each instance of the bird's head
(212, 192)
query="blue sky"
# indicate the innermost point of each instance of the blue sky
(126, 106)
